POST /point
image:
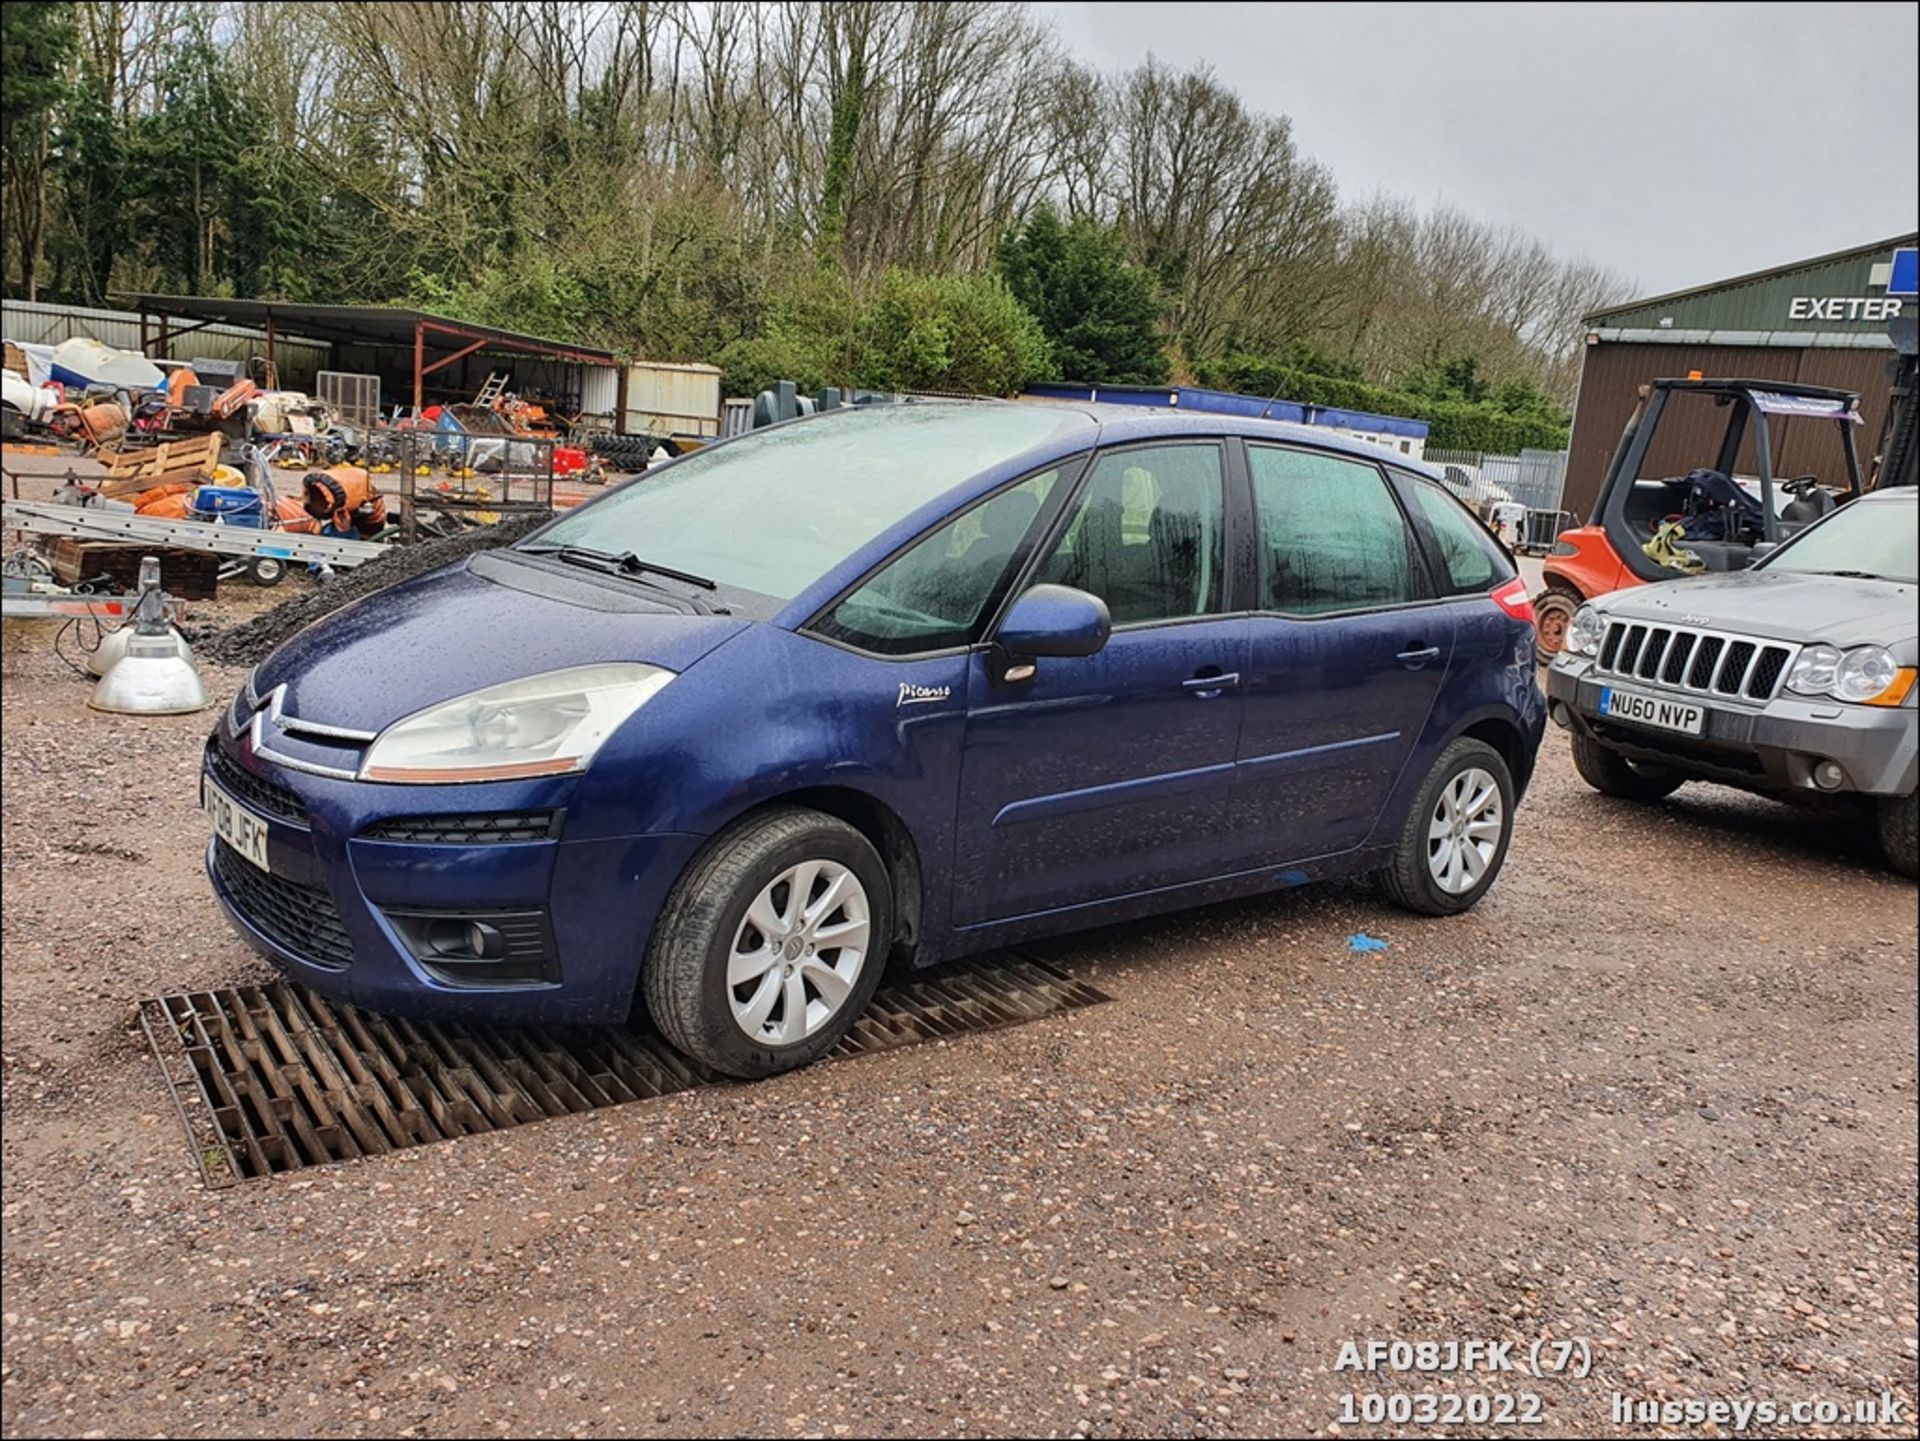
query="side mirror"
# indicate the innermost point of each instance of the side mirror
(1051, 620)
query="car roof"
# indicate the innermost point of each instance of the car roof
(1121, 424)
(1083, 427)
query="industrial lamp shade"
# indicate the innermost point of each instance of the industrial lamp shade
(155, 676)
(113, 645)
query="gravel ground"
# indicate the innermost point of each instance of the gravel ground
(1657, 1093)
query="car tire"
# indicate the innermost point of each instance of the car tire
(744, 875)
(1553, 612)
(1425, 876)
(1612, 774)
(1900, 832)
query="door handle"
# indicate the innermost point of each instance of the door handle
(1418, 656)
(1207, 687)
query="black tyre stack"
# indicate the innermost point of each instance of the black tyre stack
(624, 452)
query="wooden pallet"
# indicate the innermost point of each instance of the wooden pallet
(187, 574)
(189, 462)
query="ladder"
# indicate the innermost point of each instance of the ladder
(15, 605)
(91, 523)
(495, 387)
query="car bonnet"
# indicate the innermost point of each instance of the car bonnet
(473, 625)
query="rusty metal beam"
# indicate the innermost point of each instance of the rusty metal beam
(554, 352)
(168, 333)
(446, 360)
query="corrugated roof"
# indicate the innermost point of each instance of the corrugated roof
(1878, 250)
(364, 324)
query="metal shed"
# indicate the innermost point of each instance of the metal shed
(414, 352)
(1822, 321)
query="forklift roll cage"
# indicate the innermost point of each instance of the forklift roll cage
(1742, 396)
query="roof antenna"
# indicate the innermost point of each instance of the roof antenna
(1271, 400)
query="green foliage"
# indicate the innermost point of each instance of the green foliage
(36, 36)
(810, 330)
(96, 168)
(1304, 355)
(1457, 423)
(1455, 378)
(961, 333)
(1100, 312)
(949, 332)
(532, 294)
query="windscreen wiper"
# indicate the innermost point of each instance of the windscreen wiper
(626, 563)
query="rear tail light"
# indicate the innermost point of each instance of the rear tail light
(1512, 598)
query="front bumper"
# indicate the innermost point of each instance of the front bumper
(333, 911)
(1774, 747)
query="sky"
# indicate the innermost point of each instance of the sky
(1676, 145)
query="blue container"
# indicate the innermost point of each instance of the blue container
(230, 504)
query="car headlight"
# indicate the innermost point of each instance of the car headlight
(1585, 630)
(1813, 672)
(544, 725)
(1865, 673)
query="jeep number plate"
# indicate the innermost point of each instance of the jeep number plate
(1646, 710)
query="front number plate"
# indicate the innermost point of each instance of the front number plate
(235, 824)
(1646, 710)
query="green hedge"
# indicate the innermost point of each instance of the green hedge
(1456, 424)
(962, 333)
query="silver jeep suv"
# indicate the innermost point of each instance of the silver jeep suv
(1795, 677)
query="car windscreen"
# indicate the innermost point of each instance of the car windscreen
(1875, 538)
(774, 511)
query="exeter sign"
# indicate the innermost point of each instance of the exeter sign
(1897, 277)
(1842, 307)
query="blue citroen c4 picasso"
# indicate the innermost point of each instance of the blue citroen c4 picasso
(900, 682)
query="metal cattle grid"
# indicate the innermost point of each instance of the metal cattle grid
(274, 1078)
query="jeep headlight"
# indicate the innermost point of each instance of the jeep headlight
(544, 725)
(1585, 630)
(1813, 672)
(1865, 675)
(1866, 671)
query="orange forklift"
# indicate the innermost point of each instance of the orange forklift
(1713, 518)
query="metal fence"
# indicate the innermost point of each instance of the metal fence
(457, 478)
(1533, 478)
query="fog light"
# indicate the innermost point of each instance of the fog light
(1828, 775)
(481, 948)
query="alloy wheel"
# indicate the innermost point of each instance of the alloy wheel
(798, 952)
(1464, 833)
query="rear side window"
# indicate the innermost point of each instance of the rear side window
(1331, 536)
(935, 594)
(1471, 560)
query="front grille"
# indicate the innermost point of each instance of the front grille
(1678, 654)
(301, 918)
(261, 794)
(1694, 660)
(468, 830)
(1733, 671)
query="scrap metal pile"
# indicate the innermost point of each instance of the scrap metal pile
(202, 487)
